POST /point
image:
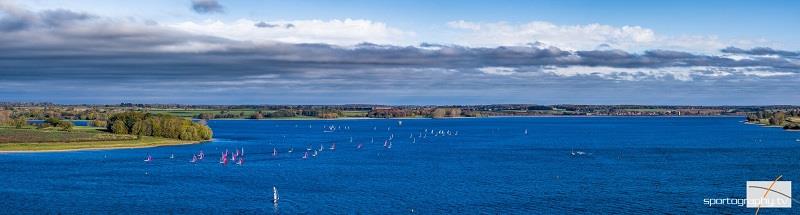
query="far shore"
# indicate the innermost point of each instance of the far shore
(465, 117)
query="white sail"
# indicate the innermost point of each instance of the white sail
(275, 195)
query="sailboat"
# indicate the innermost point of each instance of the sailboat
(275, 195)
(321, 147)
(351, 139)
(194, 159)
(400, 123)
(240, 162)
(201, 155)
(274, 152)
(233, 158)
(171, 156)
(333, 147)
(224, 157)
(359, 146)
(315, 154)
(305, 155)
(149, 158)
(291, 149)
(526, 131)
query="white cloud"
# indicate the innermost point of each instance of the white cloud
(498, 70)
(676, 73)
(338, 32)
(584, 37)
(571, 37)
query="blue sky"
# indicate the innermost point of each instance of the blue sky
(400, 52)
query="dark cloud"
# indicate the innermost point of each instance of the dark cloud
(96, 58)
(265, 25)
(761, 51)
(207, 6)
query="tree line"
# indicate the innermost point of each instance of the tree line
(789, 119)
(157, 125)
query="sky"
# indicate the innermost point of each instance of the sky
(400, 52)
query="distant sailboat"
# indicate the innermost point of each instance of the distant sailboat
(291, 149)
(333, 147)
(351, 139)
(359, 146)
(526, 131)
(149, 158)
(274, 152)
(194, 159)
(321, 147)
(240, 162)
(171, 156)
(223, 158)
(400, 123)
(315, 154)
(201, 155)
(305, 155)
(275, 197)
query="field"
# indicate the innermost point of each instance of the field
(244, 113)
(29, 139)
(194, 112)
(79, 134)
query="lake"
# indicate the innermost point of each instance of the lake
(563, 165)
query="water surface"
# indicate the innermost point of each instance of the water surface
(632, 165)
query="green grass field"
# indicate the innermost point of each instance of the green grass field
(29, 139)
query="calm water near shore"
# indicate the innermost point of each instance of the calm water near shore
(628, 165)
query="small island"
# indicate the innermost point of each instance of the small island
(787, 119)
(119, 130)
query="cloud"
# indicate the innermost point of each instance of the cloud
(498, 70)
(60, 54)
(337, 32)
(581, 37)
(207, 6)
(265, 25)
(761, 51)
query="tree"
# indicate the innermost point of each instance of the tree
(118, 127)
(66, 125)
(158, 125)
(98, 123)
(19, 122)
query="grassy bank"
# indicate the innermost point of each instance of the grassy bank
(81, 138)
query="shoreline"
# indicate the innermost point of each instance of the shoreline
(156, 143)
(466, 117)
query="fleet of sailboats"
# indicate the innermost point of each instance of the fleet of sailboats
(238, 155)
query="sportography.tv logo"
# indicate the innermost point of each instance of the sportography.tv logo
(769, 194)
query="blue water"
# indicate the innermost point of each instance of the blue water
(632, 165)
